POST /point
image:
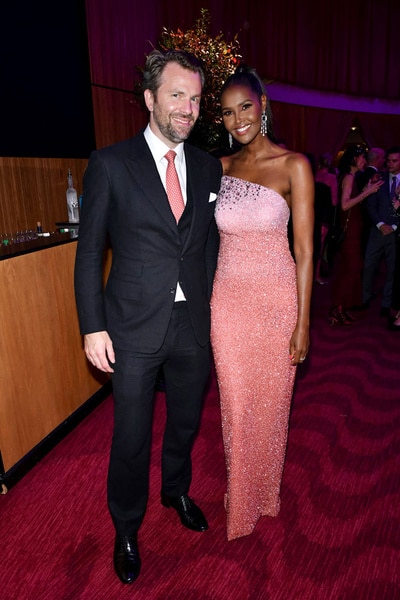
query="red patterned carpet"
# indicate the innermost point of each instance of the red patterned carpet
(337, 536)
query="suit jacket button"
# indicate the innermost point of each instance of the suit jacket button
(172, 291)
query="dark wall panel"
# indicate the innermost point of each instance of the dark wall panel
(46, 106)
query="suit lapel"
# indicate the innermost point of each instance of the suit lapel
(196, 187)
(141, 165)
(387, 186)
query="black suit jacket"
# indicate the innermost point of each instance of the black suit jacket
(380, 207)
(125, 202)
(364, 176)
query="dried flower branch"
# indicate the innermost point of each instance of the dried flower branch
(219, 59)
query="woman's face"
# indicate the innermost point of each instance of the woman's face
(241, 112)
(360, 162)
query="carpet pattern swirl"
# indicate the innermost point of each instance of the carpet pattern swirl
(337, 536)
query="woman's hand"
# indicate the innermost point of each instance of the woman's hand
(299, 346)
(372, 187)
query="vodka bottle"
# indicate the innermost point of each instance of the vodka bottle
(72, 200)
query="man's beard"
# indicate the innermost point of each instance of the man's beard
(167, 129)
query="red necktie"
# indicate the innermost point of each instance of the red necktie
(174, 191)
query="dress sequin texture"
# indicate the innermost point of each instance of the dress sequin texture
(254, 311)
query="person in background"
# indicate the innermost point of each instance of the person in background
(375, 166)
(260, 307)
(323, 219)
(394, 322)
(326, 173)
(154, 311)
(348, 262)
(381, 243)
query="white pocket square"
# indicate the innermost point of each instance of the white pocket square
(212, 197)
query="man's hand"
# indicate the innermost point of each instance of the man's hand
(386, 229)
(99, 350)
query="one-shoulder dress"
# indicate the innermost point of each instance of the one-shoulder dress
(253, 312)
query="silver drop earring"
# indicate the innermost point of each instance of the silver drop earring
(230, 140)
(264, 123)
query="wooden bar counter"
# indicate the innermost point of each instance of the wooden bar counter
(44, 375)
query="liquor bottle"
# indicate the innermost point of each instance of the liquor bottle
(72, 200)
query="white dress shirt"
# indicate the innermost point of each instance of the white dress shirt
(159, 150)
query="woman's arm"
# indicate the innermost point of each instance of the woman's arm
(347, 185)
(302, 205)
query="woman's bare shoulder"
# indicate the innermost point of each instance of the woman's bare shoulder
(296, 161)
(296, 157)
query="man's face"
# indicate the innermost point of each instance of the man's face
(393, 163)
(175, 108)
(380, 161)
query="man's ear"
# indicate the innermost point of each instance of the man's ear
(149, 99)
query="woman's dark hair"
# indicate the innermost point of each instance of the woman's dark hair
(156, 62)
(347, 160)
(248, 77)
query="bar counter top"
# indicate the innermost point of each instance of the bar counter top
(40, 243)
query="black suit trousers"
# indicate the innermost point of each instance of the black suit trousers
(186, 368)
(396, 278)
(379, 246)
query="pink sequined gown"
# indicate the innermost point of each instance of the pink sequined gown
(254, 311)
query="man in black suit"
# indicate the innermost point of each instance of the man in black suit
(376, 163)
(382, 235)
(154, 311)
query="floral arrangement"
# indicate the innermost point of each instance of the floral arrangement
(219, 59)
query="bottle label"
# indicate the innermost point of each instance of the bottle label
(72, 207)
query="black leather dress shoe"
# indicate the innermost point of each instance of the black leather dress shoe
(385, 311)
(126, 558)
(189, 513)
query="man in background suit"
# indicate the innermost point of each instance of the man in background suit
(382, 237)
(376, 164)
(154, 311)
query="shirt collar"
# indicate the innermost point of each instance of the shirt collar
(159, 149)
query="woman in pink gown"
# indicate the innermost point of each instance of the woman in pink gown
(261, 299)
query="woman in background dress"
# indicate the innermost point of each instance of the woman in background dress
(348, 262)
(261, 299)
